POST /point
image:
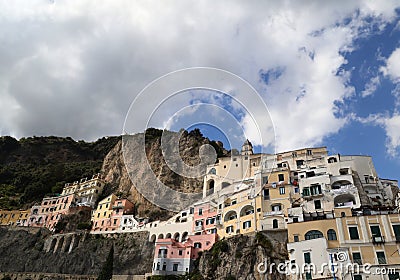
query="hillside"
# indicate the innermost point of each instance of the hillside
(35, 166)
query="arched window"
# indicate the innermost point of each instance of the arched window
(197, 245)
(313, 234)
(275, 223)
(331, 234)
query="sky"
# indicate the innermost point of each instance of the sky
(327, 71)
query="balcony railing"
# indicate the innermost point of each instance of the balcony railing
(198, 228)
(378, 239)
(273, 213)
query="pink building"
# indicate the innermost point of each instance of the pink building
(206, 218)
(36, 217)
(55, 207)
(121, 206)
(173, 257)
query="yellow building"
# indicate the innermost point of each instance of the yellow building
(241, 213)
(23, 217)
(9, 217)
(101, 217)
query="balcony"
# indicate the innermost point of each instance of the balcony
(273, 213)
(119, 206)
(378, 239)
(198, 228)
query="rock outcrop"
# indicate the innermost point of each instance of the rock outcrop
(36, 250)
(189, 143)
(240, 257)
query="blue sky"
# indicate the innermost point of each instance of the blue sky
(328, 71)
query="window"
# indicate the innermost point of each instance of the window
(175, 267)
(200, 211)
(296, 190)
(281, 177)
(294, 154)
(246, 224)
(197, 245)
(191, 210)
(309, 152)
(307, 257)
(180, 253)
(296, 238)
(393, 276)
(331, 234)
(375, 231)
(276, 207)
(396, 230)
(266, 194)
(366, 177)
(381, 257)
(317, 204)
(281, 190)
(164, 266)
(275, 223)
(313, 234)
(158, 266)
(353, 231)
(357, 277)
(229, 229)
(357, 258)
(115, 221)
(265, 180)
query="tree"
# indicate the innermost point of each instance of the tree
(107, 270)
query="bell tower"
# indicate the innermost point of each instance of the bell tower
(247, 148)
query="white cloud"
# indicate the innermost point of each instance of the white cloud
(371, 86)
(392, 68)
(392, 127)
(73, 67)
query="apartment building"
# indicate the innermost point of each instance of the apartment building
(101, 217)
(172, 257)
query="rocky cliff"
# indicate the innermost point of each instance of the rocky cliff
(188, 144)
(240, 257)
(36, 250)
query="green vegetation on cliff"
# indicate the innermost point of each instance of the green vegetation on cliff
(35, 166)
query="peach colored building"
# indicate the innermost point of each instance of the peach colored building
(205, 219)
(121, 206)
(175, 258)
(55, 208)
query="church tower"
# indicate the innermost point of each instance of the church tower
(247, 148)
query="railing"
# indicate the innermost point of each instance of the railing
(272, 213)
(378, 239)
(198, 228)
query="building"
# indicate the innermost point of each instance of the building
(86, 191)
(121, 207)
(12, 217)
(101, 217)
(172, 257)
(350, 240)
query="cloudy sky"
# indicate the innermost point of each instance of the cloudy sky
(328, 71)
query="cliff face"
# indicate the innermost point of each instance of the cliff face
(117, 176)
(35, 250)
(239, 257)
